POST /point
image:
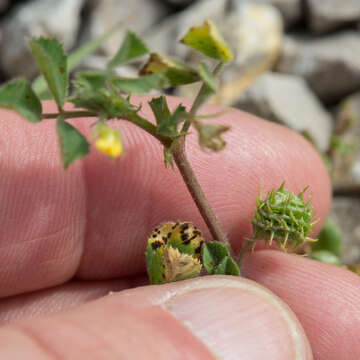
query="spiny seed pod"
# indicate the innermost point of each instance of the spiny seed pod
(173, 252)
(283, 217)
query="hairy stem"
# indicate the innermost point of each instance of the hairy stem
(201, 97)
(70, 114)
(244, 250)
(131, 117)
(178, 152)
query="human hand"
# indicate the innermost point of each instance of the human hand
(70, 237)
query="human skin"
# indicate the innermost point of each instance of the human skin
(69, 238)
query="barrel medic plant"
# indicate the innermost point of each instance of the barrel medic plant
(175, 250)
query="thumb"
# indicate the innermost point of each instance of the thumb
(214, 317)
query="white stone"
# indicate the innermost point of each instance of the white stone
(330, 64)
(50, 18)
(325, 15)
(136, 15)
(288, 100)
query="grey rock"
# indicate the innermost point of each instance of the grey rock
(288, 100)
(164, 37)
(346, 164)
(51, 18)
(330, 64)
(179, 3)
(136, 15)
(345, 212)
(325, 15)
(291, 10)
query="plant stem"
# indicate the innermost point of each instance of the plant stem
(244, 250)
(131, 117)
(200, 98)
(70, 114)
(188, 175)
(178, 152)
(148, 127)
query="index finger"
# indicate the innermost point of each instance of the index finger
(93, 221)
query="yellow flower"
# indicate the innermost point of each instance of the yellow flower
(108, 141)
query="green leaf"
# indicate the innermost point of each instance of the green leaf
(325, 257)
(210, 135)
(74, 59)
(329, 239)
(216, 260)
(207, 39)
(52, 61)
(88, 94)
(207, 78)
(73, 144)
(18, 95)
(167, 122)
(227, 267)
(141, 85)
(154, 265)
(176, 72)
(92, 80)
(169, 127)
(131, 48)
(160, 109)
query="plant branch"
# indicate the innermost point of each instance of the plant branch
(178, 152)
(243, 251)
(131, 117)
(148, 127)
(70, 114)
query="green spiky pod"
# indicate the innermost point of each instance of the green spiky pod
(283, 217)
(173, 252)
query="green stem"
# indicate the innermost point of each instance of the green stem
(131, 117)
(200, 98)
(178, 152)
(70, 114)
(244, 250)
(148, 127)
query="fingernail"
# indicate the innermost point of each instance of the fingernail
(237, 319)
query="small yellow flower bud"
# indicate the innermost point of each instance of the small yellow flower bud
(108, 141)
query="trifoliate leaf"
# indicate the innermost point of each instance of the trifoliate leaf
(18, 95)
(140, 85)
(329, 239)
(207, 39)
(52, 61)
(131, 48)
(217, 260)
(176, 72)
(325, 257)
(74, 59)
(73, 144)
(207, 78)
